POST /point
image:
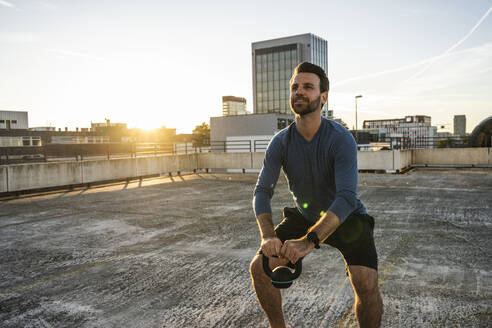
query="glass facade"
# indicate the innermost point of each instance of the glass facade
(319, 52)
(274, 67)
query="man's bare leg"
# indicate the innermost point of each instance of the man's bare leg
(269, 297)
(368, 301)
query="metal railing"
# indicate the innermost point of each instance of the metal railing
(54, 152)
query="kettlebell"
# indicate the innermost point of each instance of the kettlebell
(282, 276)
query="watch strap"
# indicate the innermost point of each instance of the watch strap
(313, 237)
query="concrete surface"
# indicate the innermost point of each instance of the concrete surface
(3, 179)
(175, 253)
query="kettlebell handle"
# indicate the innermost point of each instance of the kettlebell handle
(268, 271)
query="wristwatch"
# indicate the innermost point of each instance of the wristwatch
(313, 237)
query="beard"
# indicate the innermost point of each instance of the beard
(306, 107)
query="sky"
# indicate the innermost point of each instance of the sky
(153, 63)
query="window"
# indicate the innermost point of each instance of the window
(2, 121)
(14, 121)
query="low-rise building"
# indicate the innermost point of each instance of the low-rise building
(246, 132)
(416, 131)
(13, 120)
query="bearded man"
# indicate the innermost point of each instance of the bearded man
(319, 160)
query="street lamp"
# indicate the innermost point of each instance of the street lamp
(356, 139)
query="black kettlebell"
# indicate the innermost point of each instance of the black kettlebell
(282, 276)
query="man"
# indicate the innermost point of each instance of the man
(319, 159)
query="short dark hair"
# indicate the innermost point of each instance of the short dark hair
(307, 67)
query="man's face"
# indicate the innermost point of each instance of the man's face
(305, 95)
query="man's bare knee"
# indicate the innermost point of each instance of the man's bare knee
(365, 282)
(256, 266)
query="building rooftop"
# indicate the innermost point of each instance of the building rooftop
(174, 252)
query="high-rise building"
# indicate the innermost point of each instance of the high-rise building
(459, 125)
(233, 106)
(273, 64)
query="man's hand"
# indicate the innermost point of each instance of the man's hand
(295, 249)
(271, 246)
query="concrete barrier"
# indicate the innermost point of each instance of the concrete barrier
(452, 156)
(366, 160)
(113, 169)
(187, 162)
(257, 161)
(3, 179)
(165, 164)
(43, 175)
(148, 166)
(375, 160)
(225, 160)
(402, 159)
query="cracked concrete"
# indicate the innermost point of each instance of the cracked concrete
(175, 253)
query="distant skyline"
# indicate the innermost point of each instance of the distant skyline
(152, 63)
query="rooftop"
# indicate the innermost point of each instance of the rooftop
(174, 252)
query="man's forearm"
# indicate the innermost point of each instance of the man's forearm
(265, 224)
(326, 225)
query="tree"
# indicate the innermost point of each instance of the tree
(344, 124)
(201, 135)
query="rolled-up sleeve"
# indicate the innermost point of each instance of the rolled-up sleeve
(268, 177)
(346, 176)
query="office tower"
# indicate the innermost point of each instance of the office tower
(459, 125)
(233, 106)
(273, 64)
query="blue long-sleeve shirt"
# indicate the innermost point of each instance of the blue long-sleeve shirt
(322, 173)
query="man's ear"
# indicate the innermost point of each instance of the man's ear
(324, 97)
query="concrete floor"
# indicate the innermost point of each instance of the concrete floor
(175, 253)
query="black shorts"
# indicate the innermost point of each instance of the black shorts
(354, 238)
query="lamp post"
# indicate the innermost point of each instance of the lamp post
(356, 138)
